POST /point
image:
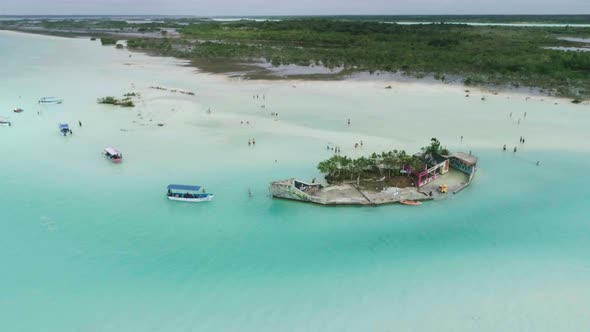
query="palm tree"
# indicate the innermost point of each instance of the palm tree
(344, 164)
(358, 166)
(327, 167)
(433, 150)
(375, 163)
(390, 161)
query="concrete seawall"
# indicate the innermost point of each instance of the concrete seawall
(343, 194)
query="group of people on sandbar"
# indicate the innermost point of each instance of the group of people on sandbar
(251, 142)
(522, 141)
(518, 121)
(334, 149)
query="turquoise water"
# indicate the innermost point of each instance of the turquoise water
(91, 246)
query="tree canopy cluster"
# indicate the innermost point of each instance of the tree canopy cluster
(481, 55)
(386, 164)
(478, 55)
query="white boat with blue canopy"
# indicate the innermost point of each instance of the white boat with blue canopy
(64, 129)
(186, 193)
(50, 100)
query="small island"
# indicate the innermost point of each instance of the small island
(389, 177)
(125, 102)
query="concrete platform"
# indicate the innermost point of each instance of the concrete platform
(454, 179)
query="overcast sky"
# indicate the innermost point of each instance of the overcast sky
(291, 7)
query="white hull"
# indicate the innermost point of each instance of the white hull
(191, 200)
(50, 100)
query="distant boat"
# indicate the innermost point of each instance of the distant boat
(5, 123)
(113, 155)
(50, 100)
(64, 128)
(406, 202)
(184, 193)
(18, 110)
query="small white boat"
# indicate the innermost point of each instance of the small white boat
(113, 155)
(184, 193)
(5, 123)
(50, 100)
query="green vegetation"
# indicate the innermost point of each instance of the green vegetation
(480, 55)
(108, 41)
(126, 102)
(475, 55)
(386, 165)
(502, 19)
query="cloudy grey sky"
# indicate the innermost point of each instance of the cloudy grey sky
(292, 7)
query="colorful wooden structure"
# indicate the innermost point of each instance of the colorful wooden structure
(463, 162)
(429, 174)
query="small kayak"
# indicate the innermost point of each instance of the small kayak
(18, 110)
(411, 202)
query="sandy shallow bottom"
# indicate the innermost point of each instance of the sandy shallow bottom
(89, 245)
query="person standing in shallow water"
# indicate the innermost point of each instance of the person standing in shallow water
(349, 122)
(79, 123)
(514, 149)
(504, 147)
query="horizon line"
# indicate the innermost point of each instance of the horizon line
(278, 15)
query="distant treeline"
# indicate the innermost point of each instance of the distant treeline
(483, 55)
(479, 55)
(554, 19)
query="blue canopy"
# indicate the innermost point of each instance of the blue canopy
(183, 187)
(63, 126)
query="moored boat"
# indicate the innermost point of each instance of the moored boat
(407, 202)
(64, 128)
(18, 110)
(113, 155)
(5, 123)
(186, 193)
(50, 100)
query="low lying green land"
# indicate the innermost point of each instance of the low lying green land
(125, 102)
(477, 55)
